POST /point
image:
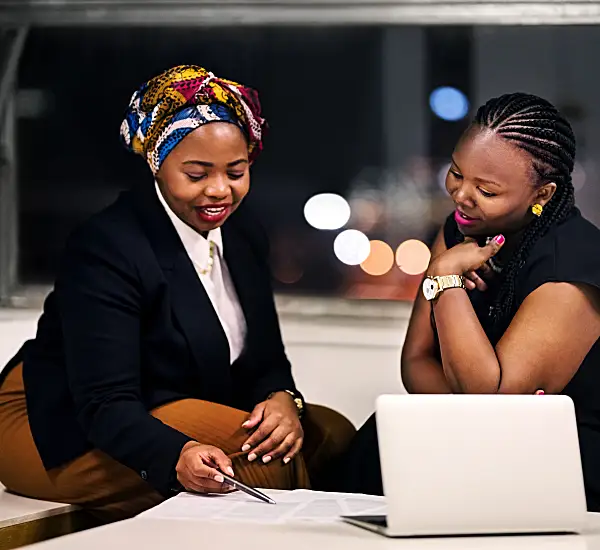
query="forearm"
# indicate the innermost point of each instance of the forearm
(128, 433)
(275, 374)
(424, 375)
(467, 354)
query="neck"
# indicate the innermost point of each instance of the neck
(510, 245)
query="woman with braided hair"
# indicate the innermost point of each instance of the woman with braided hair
(158, 363)
(511, 298)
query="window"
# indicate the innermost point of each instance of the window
(350, 112)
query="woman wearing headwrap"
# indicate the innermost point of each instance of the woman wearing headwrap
(158, 361)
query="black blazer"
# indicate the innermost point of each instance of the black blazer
(129, 327)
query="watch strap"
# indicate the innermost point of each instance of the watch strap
(296, 397)
(450, 281)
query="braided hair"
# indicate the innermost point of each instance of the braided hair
(534, 125)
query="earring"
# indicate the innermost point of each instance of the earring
(537, 210)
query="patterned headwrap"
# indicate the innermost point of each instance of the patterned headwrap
(173, 104)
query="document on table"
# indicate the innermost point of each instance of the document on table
(292, 506)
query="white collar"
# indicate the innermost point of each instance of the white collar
(196, 245)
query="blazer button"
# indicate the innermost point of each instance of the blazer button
(144, 475)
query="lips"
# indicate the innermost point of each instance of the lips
(462, 218)
(213, 213)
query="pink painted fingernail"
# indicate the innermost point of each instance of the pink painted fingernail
(540, 392)
(245, 448)
(499, 239)
(286, 460)
(251, 457)
(267, 459)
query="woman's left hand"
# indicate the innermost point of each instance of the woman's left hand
(279, 432)
(465, 258)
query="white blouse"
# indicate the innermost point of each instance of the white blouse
(217, 283)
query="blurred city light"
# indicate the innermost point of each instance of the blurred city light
(327, 211)
(441, 176)
(366, 213)
(380, 259)
(413, 257)
(578, 176)
(449, 103)
(351, 247)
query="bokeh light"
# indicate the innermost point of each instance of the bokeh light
(288, 273)
(380, 259)
(449, 103)
(578, 176)
(366, 213)
(327, 211)
(413, 256)
(442, 175)
(351, 247)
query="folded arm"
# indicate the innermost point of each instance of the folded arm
(546, 342)
(420, 365)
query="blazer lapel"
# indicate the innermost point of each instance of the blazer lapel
(190, 302)
(244, 273)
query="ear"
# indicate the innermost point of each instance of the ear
(545, 193)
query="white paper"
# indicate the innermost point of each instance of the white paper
(292, 506)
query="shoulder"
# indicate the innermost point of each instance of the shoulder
(114, 225)
(568, 252)
(111, 237)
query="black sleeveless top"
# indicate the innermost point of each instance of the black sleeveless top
(569, 252)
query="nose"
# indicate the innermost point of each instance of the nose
(462, 195)
(218, 187)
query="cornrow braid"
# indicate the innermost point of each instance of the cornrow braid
(534, 125)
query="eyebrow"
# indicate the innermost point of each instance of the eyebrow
(210, 164)
(481, 180)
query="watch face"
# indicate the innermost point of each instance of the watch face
(430, 288)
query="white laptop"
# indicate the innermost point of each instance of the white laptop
(478, 464)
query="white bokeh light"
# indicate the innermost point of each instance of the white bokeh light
(352, 247)
(327, 211)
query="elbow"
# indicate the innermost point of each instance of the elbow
(416, 373)
(490, 385)
(406, 373)
(95, 409)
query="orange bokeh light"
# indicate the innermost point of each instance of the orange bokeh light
(413, 257)
(380, 259)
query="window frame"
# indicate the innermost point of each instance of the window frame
(297, 12)
(12, 42)
(17, 16)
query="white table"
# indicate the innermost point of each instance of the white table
(153, 534)
(15, 510)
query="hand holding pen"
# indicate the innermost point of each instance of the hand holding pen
(200, 468)
(207, 469)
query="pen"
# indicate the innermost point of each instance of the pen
(246, 489)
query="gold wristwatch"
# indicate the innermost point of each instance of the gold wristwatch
(434, 286)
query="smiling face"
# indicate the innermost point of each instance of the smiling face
(493, 185)
(206, 176)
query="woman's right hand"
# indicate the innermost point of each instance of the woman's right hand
(479, 279)
(197, 468)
